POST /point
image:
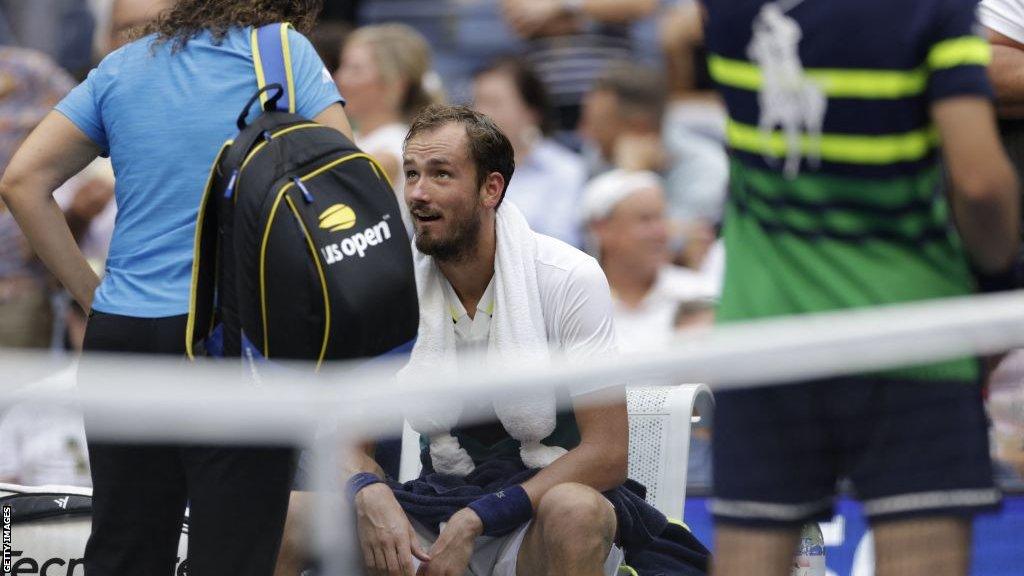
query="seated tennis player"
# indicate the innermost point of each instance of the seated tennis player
(527, 488)
(536, 491)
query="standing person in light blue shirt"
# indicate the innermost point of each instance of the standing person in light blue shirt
(153, 124)
(161, 107)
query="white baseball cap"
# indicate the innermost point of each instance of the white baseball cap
(602, 194)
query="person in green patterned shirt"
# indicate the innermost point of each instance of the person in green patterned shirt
(865, 170)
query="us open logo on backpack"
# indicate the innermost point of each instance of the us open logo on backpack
(340, 217)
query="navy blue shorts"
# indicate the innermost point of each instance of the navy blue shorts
(908, 448)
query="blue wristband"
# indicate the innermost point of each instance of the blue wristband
(359, 481)
(503, 512)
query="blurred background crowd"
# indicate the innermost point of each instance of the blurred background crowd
(618, 135)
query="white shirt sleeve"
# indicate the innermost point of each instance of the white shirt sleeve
(1004, 16)
(584, 326)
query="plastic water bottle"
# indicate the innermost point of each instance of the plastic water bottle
(810, 552)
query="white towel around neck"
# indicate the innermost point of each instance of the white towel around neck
(517, 338)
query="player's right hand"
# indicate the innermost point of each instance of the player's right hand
(386, 536)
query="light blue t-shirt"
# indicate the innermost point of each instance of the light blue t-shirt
(163, 117)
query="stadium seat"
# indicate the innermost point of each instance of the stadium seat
(660, 420)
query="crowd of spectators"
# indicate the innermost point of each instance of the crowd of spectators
(618, 138)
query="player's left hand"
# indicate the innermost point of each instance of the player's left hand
(449, 556)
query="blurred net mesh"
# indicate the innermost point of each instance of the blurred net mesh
(157, 400)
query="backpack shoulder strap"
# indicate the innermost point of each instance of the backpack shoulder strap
(272, 57)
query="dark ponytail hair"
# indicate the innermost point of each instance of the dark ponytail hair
(187, 18)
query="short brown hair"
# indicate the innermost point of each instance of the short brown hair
(488, 146)
(639, 89)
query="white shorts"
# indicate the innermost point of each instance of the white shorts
(497, 556)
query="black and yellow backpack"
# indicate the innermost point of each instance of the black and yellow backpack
(300, 251)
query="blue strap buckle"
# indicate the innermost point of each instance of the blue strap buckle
(230, 190)
(305, 191)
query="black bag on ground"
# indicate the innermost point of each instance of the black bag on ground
(300, 248)
(50, 526)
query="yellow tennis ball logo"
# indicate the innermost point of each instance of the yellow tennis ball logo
(338, 217)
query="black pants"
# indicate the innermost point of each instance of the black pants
(237, 497)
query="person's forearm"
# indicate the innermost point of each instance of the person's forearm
(986, 208)
(983, 187)
(43, 223)
(617, 11)
(989, 226)
(680, 33)
(361, 460)
(1007, 75)
(600, 467)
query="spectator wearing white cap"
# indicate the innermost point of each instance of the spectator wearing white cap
(627, 224)
(623, 126)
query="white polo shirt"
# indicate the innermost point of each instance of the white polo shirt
(575, 301)
(471, 334)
